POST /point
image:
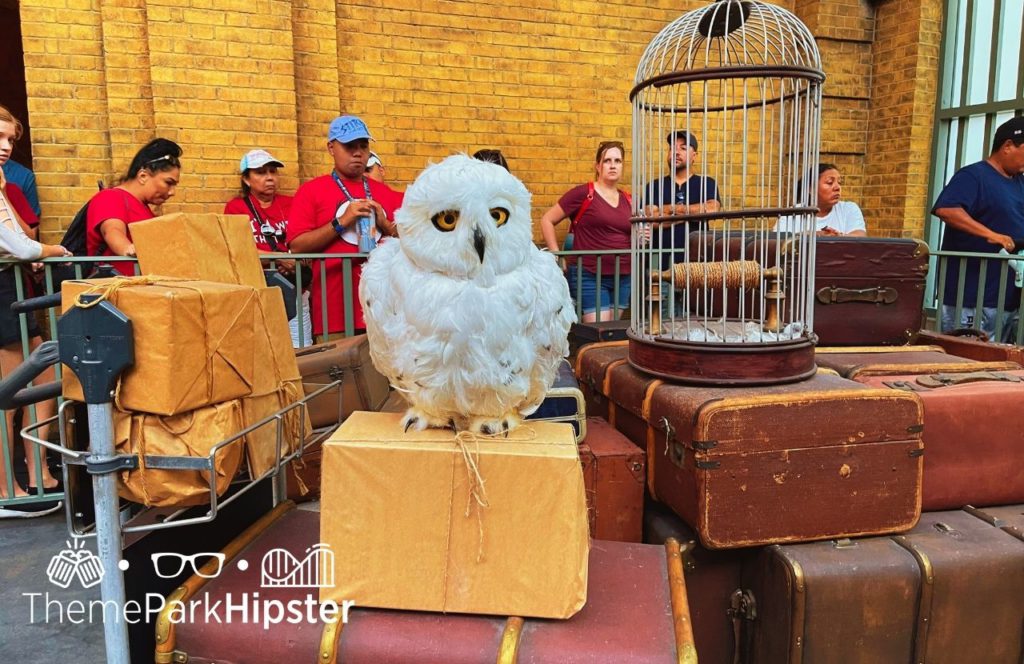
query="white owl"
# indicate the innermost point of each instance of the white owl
(465, 316)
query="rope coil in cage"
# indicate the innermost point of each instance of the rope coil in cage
(733, 274)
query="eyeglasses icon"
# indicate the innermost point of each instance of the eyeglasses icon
(171, 565)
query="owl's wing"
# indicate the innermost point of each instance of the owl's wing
(553, 314)
(381, 287)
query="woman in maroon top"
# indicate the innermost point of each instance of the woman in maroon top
(600, 213)
(151, 180)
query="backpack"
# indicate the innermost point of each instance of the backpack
(74, 236)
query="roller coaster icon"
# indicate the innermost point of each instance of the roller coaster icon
(281, 569)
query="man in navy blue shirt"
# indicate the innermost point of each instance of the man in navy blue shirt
(682, 192)
(983, 209)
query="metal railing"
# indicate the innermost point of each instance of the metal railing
(1007, 325)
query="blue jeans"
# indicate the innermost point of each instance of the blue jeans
(988, 321)
(592, 294)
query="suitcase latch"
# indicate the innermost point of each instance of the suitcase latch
(336, 373)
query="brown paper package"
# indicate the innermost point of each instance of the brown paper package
(276, 384)
(193, 344)
(191, 434)
(524, 554)
(211, 247)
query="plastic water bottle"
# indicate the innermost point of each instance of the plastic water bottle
(364, 227)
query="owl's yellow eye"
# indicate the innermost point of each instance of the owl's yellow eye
(445, 221)
(499, 215)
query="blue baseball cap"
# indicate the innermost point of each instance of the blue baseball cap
(346, 129)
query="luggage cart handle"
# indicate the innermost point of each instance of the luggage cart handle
(15, 390)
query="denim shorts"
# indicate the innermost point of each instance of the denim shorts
(591, 294)
(989, 315)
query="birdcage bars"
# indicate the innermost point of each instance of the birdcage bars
(726, 123)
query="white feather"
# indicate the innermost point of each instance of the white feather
(466, 338)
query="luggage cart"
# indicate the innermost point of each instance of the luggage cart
(97, 343)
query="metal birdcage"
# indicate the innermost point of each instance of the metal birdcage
(726, 121)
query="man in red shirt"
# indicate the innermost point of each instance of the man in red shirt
(325, 218)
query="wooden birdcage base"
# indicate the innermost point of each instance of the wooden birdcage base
(765, 363)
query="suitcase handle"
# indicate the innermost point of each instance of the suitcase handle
(879, 295)
(945, 380)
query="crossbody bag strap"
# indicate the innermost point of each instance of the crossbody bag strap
(583, 208)
(265, 229)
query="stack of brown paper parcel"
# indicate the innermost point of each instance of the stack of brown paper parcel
(193, 364)
(219, 247)
(406, 531)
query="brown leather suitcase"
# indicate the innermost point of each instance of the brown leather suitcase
(887, 361)
(591, 366)
(718, 455)
(719, 605)
(613, 474)
(948, 591)
(867, 291)
(974, 349)
(347, 360)
(973, 435)
(636, 611)
(581, 334)
(729, 452)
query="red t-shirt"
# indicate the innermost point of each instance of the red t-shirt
(113, 203)
(276, 215)
(601, 227)
(21, 204)
(314, 205)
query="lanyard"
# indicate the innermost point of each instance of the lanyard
(344, 190)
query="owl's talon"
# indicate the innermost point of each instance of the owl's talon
(411, 422)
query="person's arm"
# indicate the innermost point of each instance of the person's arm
(115, 235)
(554, 216)
(958, 218)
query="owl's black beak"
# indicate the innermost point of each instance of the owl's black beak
(479, 243)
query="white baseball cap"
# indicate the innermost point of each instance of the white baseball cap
(258, 159)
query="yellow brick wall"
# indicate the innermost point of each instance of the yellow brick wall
(544, 80)
(905, 58)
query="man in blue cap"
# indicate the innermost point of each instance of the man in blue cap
(330, 214)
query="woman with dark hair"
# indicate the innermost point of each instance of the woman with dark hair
(151, 180)
(600, 213)
(268, 212)
(493, 156)
(835, 217)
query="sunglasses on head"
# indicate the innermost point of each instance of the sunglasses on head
(169, 158)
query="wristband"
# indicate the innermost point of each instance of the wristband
(338, 229)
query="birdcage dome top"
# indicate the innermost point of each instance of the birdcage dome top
(729, 38)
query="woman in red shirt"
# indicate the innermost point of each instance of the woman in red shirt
(268, 213)
(600, 212)
(151, 180)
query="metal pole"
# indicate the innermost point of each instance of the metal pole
(108, 532)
